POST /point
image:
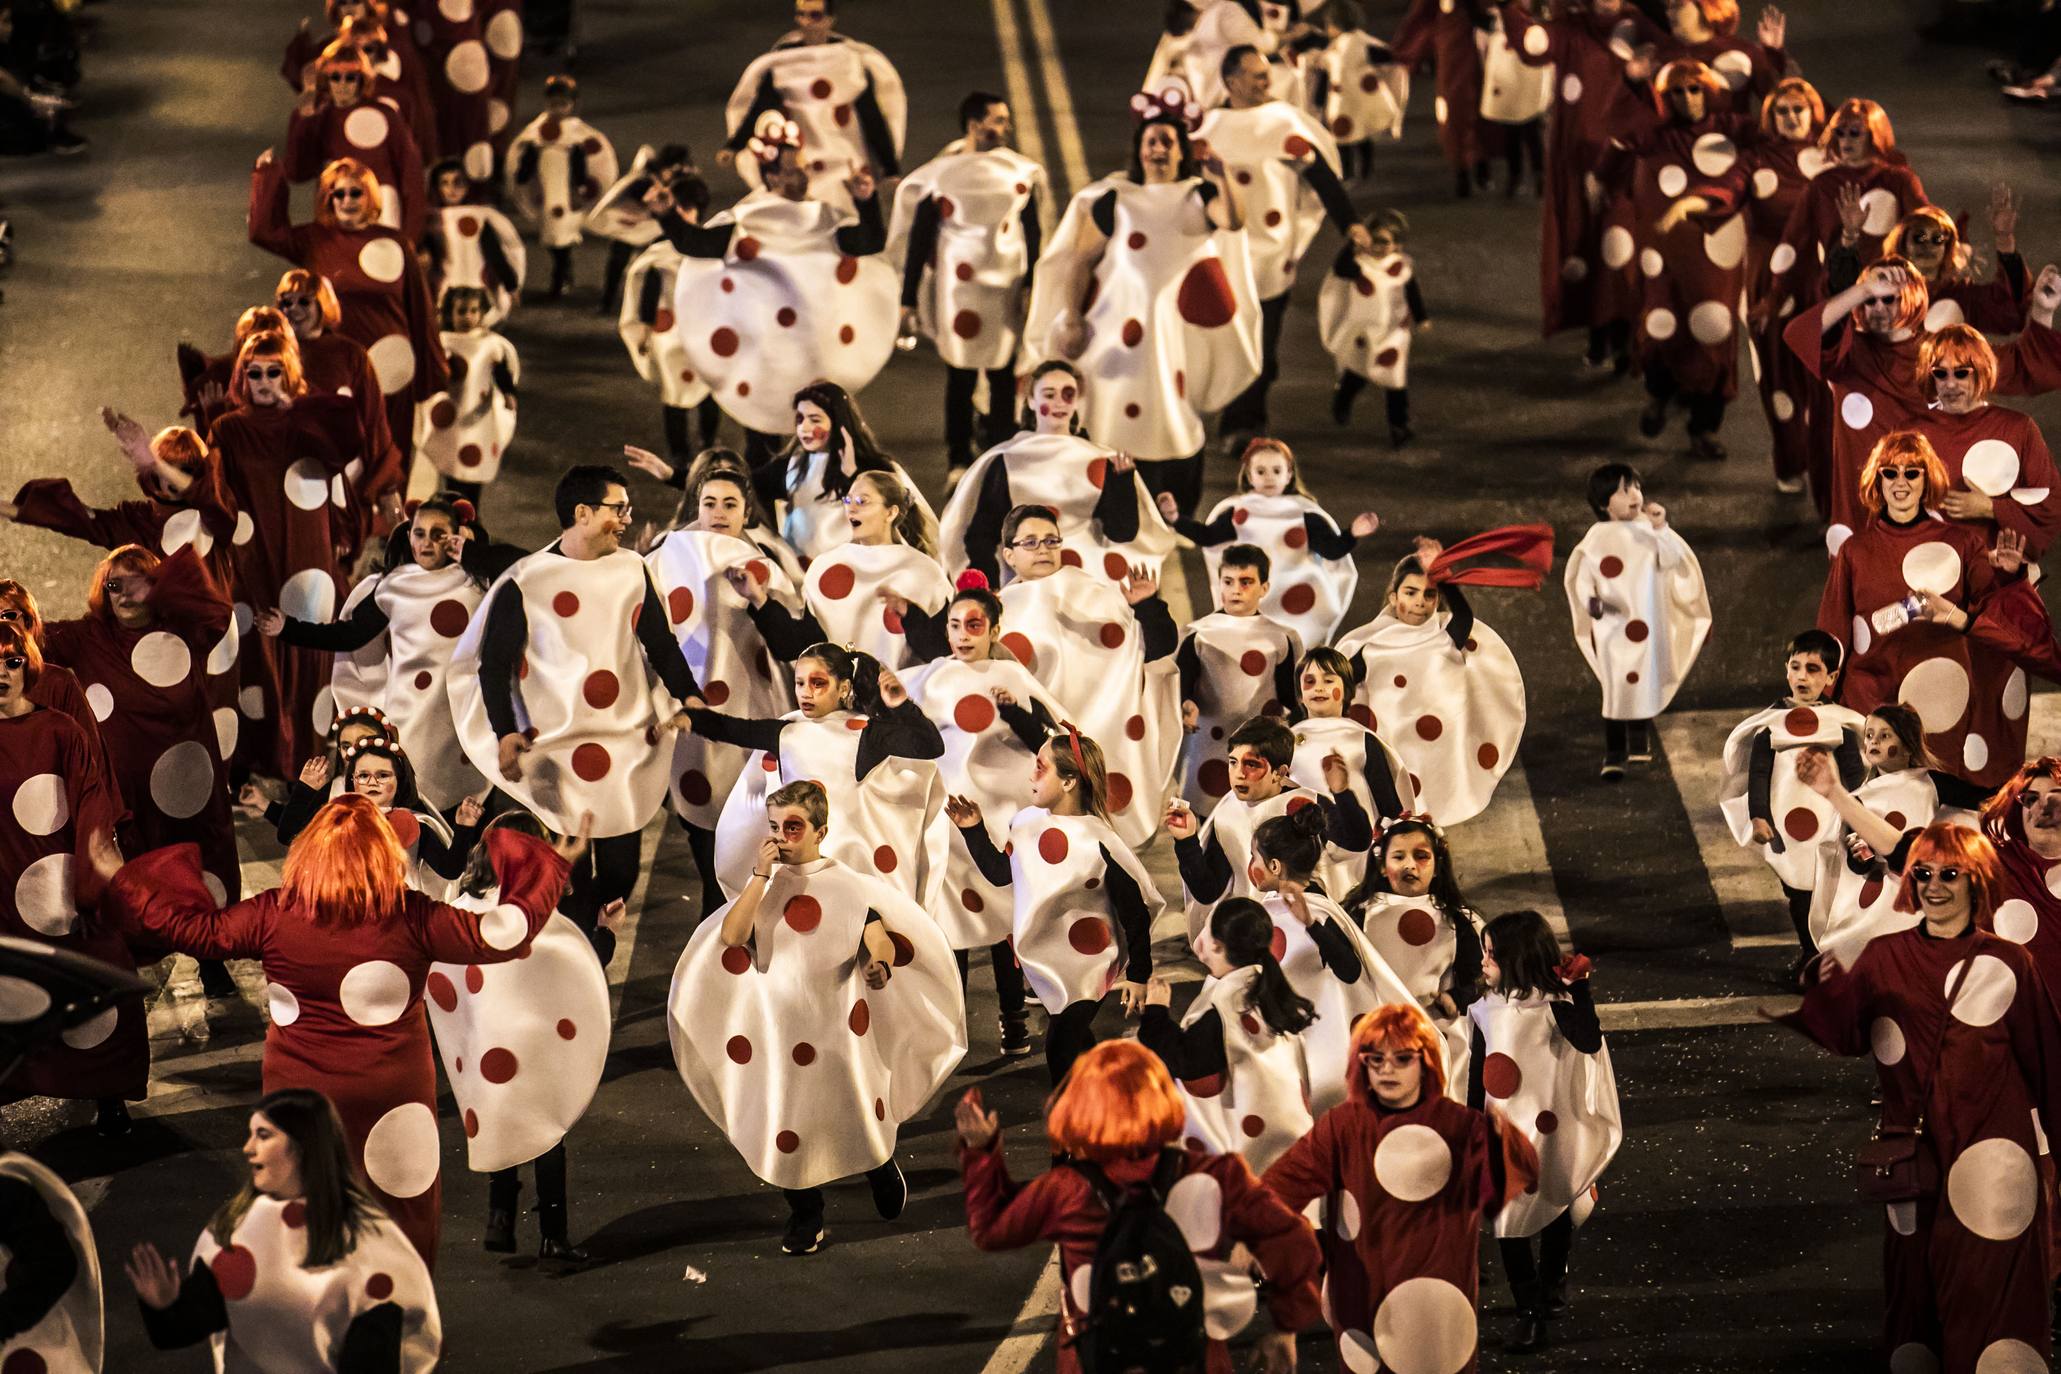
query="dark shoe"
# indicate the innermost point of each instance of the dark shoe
(500, 1236)
(1398, 435)
(1653, 418)
(557, 1251)
(1341, 404)
(1463, 185)
(1481, 174)
(890, 1190)
(1640, 743)
(1528, 1335)
(1612, 769)
(1706, 448)
(65, 143)
(804, 1235)
(1620, 364)
(1556, 1303)
(112, 1122)
(1016, 1037)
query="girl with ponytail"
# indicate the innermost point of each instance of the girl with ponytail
(1238, 1053)
(850, 717)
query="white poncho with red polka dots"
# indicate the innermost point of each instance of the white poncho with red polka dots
(1365, 322)
(1307, 593)
(970, 305)
(1655, 618)
(1079, 637)
(1070, 945)
(70, 1337)
(583, 692)
(1854, 901)
(818, 86)
(1564, 1101)
(736, 670)
(1419, 942)
(1265, 149)
(1067, 473)
(466, 431)
(1174, 317)
(1327, 1041)
(1363, 99)
(1800, 817)
(523, 1042)
(658, 349)
(984, 760)
(285, 1319)
(1453, 716)
(784, 307)
(1239, 655)
(1319, 738)
(844, 586)
(808, 1071)
(357, 678)
(464, 264)
(891, 826)
(426, 615)
(549, 199)
(1231, 826)
(1260, 1104)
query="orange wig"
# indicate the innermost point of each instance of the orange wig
(1721, 17)
(181, 448)
(1943, 845)
(1881, 136)
(1999, 809)
(337, 173)
(1117, 1102)
(1903, 447)
(375, 10)
(1914, 297)
(1787, 86)
(15, 597)
(345, 55)
(1957, 345)
(267, 347)
(1686, 73)
(129, 558)
(16, 638)
(299, 281)
(260, 319)
(346, 868)
(1394, 1027)
(1955, 263)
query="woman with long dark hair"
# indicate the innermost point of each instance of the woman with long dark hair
(301, 1268)
(809, 479)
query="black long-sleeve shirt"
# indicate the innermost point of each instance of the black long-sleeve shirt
(1116, 513)
(1326, 539)
(1206, 869)
(923, 245)
(1760, 774)
(1188, 663)
(859, 240)
(1197, 1051)
(1126, 899)
(874, 133)
(507, 634)
(1575, 1020)
(901, 732)
(371, 1343)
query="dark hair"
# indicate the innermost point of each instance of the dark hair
(406, 797)
(1331, 661)
(1248, 556)
(448, 302)
(561, 84)
(1012, 523)
(855, 667)
(690, 193)
(1393, 223)
(584, 484)
(1179, 18)
(442, 165)
(1025, 419)
(1187, 165)
(1233, 55)
(673, 155)
(1526, 953)
(1089, 772)
(806, 796)
(1267, 737)
(719, 464)
(867, 455)
(1246, 933)
(332, 743)
(1445, 886)
(1295, 840)
(400, 551)
(1606, 481)
(914, 527)
(338, 1206)
(1347, 14)
(1825, 646)
(1909, 728)
(976, 106)
(479, 877)
(977, 592)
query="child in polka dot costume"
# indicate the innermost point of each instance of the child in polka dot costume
(1235, 663)
(1418, 922)
(472, 245)
(467, 431)
(1323, 731)
(557, 169)
(1367, 310)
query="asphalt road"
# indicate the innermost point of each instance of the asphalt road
(1727, 1238)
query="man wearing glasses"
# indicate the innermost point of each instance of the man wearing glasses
(552, 687)
(846, 97)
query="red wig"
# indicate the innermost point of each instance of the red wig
(1999, 809)
(1117, 1102)
(1957, 345)
(1895, 450)
(346, 55)
(1881, 136)
(181, 447)
(279, 348)
(1395, 1027)
(300, 281)
(1686, 72)
(15, 597)
(129, 558)
(1943, 845)
(15, 638)
(375, 10)
(1721, 17)
(346, 868)
(260, 319)
(1793, 85)
(1914, 297)
(337, 173)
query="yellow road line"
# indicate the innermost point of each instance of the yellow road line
(1030, 138)
(1060, 96)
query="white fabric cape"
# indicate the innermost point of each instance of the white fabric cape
(618, 215)
(1564, 1101)
(465, 265)
(971, 303)
(426, 615)
(1265, 149)
(357, 678)
(1848, 909)
(1454, 717)
(811, 521)
(1238, 654)
(549, 199)
(1328, 1040)
(1317, 739)
(1365, 324)
(843, 589)
(1363, 99)
(466, 431)
(1801, 818)
(817, 87)
(1419, 944)
(1308, 594)
(658, 350)
(1656, 613)
(1261, 1104)
(1067, 473)
(544, 1019)
(807, 1070)
(1070, 945)
(71, 1337)
(1511, 92)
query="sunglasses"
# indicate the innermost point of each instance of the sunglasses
(1377, 1059)
(348, 78)
(289, 302)
(1933, 239)
(1908, 474)
(1959, 374)
(264, 374)
(1851, 131)
(14, 663)
(1880, 300)
(1925, 873)
(347, 193)
(1050, 541)
(12, 614)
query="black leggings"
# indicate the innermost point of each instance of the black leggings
(605, 873)
(1621, 737)
(1008, 977)
(1706, 409)
(1351, 384)
(1068, 1036)
(1534, 1281)
(1800, 917)
(619, 255)
(504, 1186)
(808, 1202)
(997, 425)
(701, 842)
(1520, 140)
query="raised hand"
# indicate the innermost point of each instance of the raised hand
(745, 585)
(315, 772)
(1365, 523)
(1814, 770)
(1143, 586)
(1336, 778)
(1656, 515)
(1179, 820)
(1169, 509)
(1191, 717)
(644, 460)
(155, 1278)
(470, 810)
(2003, 217)
(1773, 28)
(962, 811)
(976, 1125)
(768, 855)
(570, 847)
(1852, 214)
(2009, 554)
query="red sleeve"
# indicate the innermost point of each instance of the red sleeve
(2035, 1029)
(2035, 473)
(302, 159)
(1805, 336)
(1279, 1238)
(2030, 365)
(1835, 605)
(2013, 621)
(1518, 24)
(161, 898)
(408, 178)
(532, 878)
(186, 600)
(58, 690)
(1517, 1161)
(1415, 35)
(1834, 1006)
(1308, 1170)
(271, 228)
(1002, 1215)
(301, 52)
(50, 503)
(96, 810)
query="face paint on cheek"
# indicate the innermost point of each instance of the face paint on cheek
(1044, 410)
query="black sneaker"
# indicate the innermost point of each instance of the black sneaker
(890, 1190)
(1341, 404)
(111, 1122)
(1612, 769)
(804, 1235)
(1399, 435)
(1016, 1036)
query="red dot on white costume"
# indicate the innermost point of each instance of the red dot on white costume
(973, 713)
(401, 1152)
(1637, 631)
(1430, 727)
(1500, 1076)
(438, 989)
(236, 1272)
(861, 1017)
(590, 762)
(1413, 1163)
(1088, 935)
(1052, 845)
(803, 913)
(739, 1050)
(601, 689)
(736, 959)
(1801, 823)
(837, 581)
(497, 1065)
(1205, 298)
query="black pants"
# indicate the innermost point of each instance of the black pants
(1248, 413)
(1008, 977)
(808, 1202)
(1607, 341)
(1520, 140)
(1357, 159)
(1351, 384)
(504, 1187)
(1800, 916)
(997, 425)
(681, 445)
(1706, 409)
(561, 270)
(760, 448)
(1622, 737)
(1534, 1281)
(1068, 1036)
(21, 132)
(605, 873)
(1180, 478)
(619, 255)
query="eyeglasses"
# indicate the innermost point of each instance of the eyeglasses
(290, 302)
(856, 502)
(1399, 1059)
(621, 508)
(1851, 131)
(1050, 541)
(14, 663)
(1908, 474)
(2028, 799)
(9, 613)
(1925, 873)
(264, 374)
(1959, 374)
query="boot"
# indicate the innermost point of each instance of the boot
(1016, 1039)
(555, 1248)
(1342, 403)
(561, 272)
(1530, 1332)
(502, 1201)
(112, 1120)
(1653, 418)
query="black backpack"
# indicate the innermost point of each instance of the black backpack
(1144, 1288)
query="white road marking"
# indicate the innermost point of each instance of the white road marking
(1692, 1012)
(1030, 136)
(1034, 1324)
(1500, 856)
(1059, 96)
(1749, 895)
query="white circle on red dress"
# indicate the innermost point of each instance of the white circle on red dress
(1862, 635)
(183, 527)
(1726, 245)
(504, 35)
(222, 657)
(1994, 1188)
(1077, 1286)
(1537, 40)
(393, 362)
(1765, 183)
(1714, 154)
(1672, 180)
(218, 892)
(2014, 694)
(1886, 1039)
(498, 115)
(2017, 921)
(383, 260)
(1347, 1223)
(1940, 314)
(1735, 66)
(1196, 1204)
(1880, 210)
(2010, 1357)
(1986, 993)
(43, 895)
(1990, 466)
(374, 993)
(401, 1151)
(1975, 753)
(1913, 1358)
(285, 1007)
(225, 732)
(365, 126)
(1938, 690)
(1438, 105)
(1617, 246)
(323, 713)
(479, 161)
(1811, 161)
(1783, 406)
(1356, 1351)
(1782, 259)
(100, 700)
(40, 805)
(90, 1032)
(1660, 324)
(1857, 410)
(182, 779)
(161, 659)
(457, 11)
(309, 594)
(1902, 1217)
(465, 67)
(244, 528)
(1424, 1326)
(307, 484)
(1412, 1163)
(1932, 566)
(1570, 88)
(504, 927)
(1651, 263)
(1835, 536)
(1710, 322)
(21, 1000)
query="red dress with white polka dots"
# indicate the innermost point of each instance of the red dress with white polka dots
(346, 1001)
(1443, 33)
(53, 794)
(1965, 1263)
(2002, 454)
(376, 134)
(459, 70)
(149, 689)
